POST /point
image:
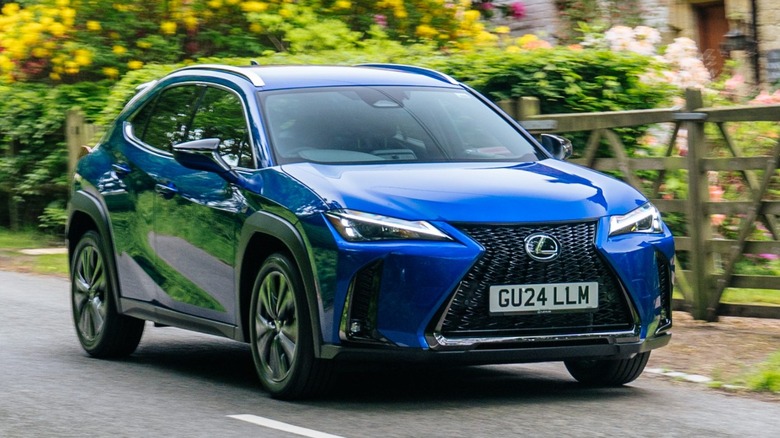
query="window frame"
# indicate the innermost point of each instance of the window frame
(154, 99)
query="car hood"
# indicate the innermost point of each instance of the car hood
(542, 191)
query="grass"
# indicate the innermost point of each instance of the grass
(766, 377)
(11, 256)
(759, 297)
(751, 296)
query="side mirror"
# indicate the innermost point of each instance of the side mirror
(560, 147)
(204, 155)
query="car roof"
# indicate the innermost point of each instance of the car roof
(305, 76)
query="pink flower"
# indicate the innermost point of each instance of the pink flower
(517, 10)
(380, 20)
(734, 82)
(763, 98)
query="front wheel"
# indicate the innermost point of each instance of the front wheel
(101, 330)
(607, 372)
(281, 333)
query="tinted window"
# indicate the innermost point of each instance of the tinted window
(364, 124)
(163, 123)
(221, 115)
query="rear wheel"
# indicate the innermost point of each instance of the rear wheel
(101, 330)
(281, 333)
(614, 372)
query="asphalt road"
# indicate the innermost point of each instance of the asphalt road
(190, 385)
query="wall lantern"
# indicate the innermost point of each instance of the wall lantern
(737, 40)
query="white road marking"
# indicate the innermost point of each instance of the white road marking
(278, 425)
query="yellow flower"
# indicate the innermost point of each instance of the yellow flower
(135, 65)
(5, 63)
(93, 25)
(214, 4)
(285, 13)
(526, 39)
(119, 50)
(111, 72)
(190, 22)
(62, 3)
(255, 7)
(471, 15)
(82, 57)
(168, 27)
(10, 9)
(342, 4)
(114, 35)
(55, 76)
(71, 68)
(501, 30)
(40, 52)
(512, 49)
(255, 28)
(425, 31)
(144, 44)
(57, 29)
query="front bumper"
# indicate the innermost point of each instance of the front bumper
(530, 351)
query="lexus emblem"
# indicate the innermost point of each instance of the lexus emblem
(542, 247)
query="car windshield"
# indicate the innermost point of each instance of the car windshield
(383, 124)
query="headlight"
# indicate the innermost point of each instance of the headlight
(645, 219)
(356, 226)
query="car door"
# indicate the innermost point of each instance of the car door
(197, 214)
(139, 157)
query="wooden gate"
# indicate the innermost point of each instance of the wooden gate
(711, 261)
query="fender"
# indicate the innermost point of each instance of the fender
(274, 226)
(86, 203)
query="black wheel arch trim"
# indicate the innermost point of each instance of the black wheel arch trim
(269, 224)
(86, 203)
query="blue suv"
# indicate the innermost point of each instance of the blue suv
(325, 214)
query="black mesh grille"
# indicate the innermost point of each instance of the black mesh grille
(361, 320)
(506, 262)
(665, 285)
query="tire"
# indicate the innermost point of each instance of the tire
(281, 334)
(614, 372)
(101, 330)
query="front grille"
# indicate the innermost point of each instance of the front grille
(506, 262)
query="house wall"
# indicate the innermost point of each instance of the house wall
(683, 22)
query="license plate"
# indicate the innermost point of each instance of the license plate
(543, 298)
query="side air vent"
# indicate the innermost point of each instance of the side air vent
(358, 322)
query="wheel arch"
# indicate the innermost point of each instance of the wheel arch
(85, 213)
(262, 235)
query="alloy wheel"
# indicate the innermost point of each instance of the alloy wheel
(89, 293)
(276, 325)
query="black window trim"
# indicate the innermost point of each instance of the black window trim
(128, 128)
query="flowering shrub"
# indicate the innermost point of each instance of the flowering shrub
(75, 40)
(684, 67)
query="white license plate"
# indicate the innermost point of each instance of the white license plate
(550, 297)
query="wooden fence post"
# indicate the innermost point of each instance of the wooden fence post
(78, 133)
(699, 230)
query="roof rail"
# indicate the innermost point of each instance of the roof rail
(249, 74)
(414, 69)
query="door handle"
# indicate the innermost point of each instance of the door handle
(121, 169)
(167, 190)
